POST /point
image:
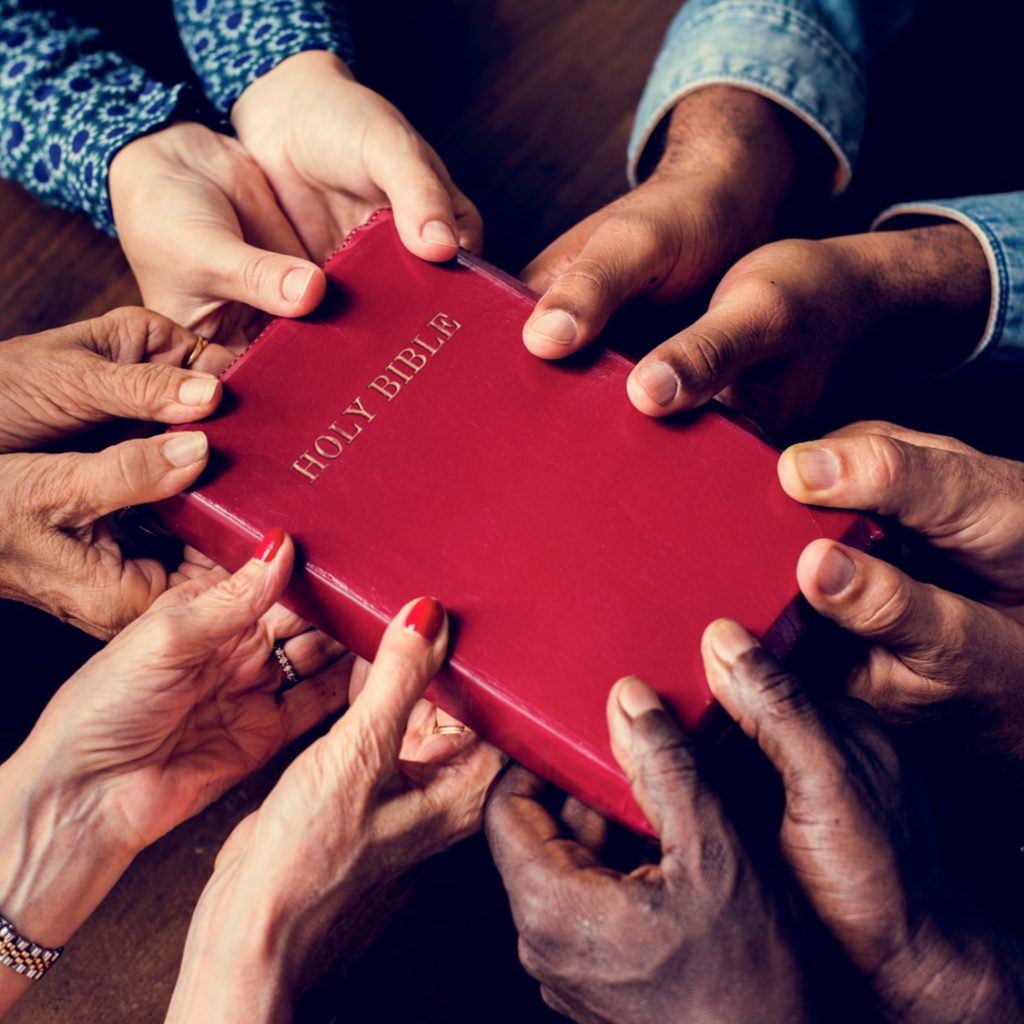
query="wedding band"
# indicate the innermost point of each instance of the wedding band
(291, 676)
(449, 730)
(197, 350)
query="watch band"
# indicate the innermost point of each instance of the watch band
(22, 955)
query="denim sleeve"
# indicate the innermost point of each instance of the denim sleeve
(809, 56)
(997, 221)
(67, 105)
(232, 42)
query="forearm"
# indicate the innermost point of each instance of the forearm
(69, 106)
(57, 861)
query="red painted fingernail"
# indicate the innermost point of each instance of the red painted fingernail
(425, 617)
(270, 545)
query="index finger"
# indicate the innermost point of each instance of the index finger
(525, 838)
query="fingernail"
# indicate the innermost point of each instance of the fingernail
(425, 617)
(268, 548)
(295, 283)
(636, 697)
(555, 325)
(817, 468)
(186, 448)
(730, 641)
(197, 390)
(836, 572)
(659, 380)
(436, 232)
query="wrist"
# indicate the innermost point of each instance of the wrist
(59, 856)
(249, 937)
(941, 978)
(929, 289)
(298, 72)
(741, 142)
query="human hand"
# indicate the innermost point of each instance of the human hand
(857, 837)
(929, 646)
(183, 703)
(335, 151)
(698, 936)
(59, 554)
(205, 237)
(716, 193)
(125, 364)
(784, 316)
(380, 792)
(176, 709)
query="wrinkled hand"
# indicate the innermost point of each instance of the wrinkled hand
(857, 837)
(183, 703)
(57, 552)
(335, 151)
(698, 936)
(784, 316)
(714, 195)
(378, 793)
(929, 646)
(206, 239)
(180, 706)
(125, 364)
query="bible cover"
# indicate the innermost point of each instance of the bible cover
(411, 445)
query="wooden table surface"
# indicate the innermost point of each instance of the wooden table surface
(530, 103)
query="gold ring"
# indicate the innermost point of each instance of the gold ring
(197, 350)
(449, 730)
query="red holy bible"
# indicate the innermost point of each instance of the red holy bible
(411, 445)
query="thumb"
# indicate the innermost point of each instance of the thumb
(692, 367)
(584, 284)
(953, 645)
(206, 615)
(409, 656)
(770, 705)
(928, 489)
(422, 203)
(268, 281)
(89, 486)
(658, 760)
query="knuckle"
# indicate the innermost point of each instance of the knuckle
(257, 272)
(130, 330)
(772, 305)
(703, 354)
(146, 387)
(584, 279)
(398, 662)
(887, 463)
(882, 608)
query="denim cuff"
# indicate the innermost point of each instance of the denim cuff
(997, 222)
(769, 48)
(231, 43)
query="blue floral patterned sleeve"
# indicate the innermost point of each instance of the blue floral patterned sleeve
(232, 42)
(67, 105)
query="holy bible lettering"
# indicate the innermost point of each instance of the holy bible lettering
(527, 496)
(328, 446)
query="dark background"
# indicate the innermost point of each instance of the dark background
(530, 103)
